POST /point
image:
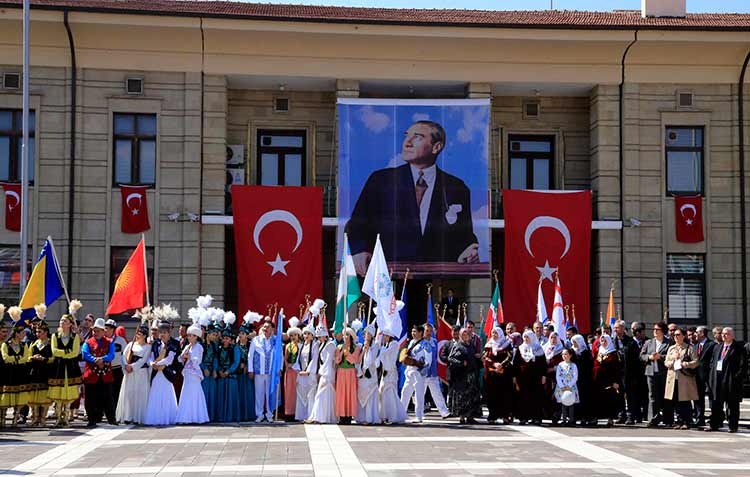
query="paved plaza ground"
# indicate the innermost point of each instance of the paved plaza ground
(435, 448)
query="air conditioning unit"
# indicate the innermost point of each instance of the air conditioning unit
(281, 105)
(531, 110)
(11, 81)
(684, 99)
(134, 85)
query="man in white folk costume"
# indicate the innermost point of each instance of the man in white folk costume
(390, 408)
(417, 358)
(259, 362)
(324, 405)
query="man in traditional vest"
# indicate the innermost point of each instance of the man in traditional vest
(98, 353)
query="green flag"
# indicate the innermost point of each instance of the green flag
(348, 291)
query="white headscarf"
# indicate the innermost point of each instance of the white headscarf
(551, 351)
(531, 350)
(606, 345)
(497, 344)
(580, 342)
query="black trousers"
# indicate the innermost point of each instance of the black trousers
(117, 373)
(635, 390)
(99, 402)
(732, 414)
(699, 411)
(656, 411)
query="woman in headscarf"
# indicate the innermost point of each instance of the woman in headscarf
(136, 381)
(464, 386)
(553, 349)
(607, 372)
(498, 382)
(347, 356)
(585, 364)
(529, 366)
(367, 387)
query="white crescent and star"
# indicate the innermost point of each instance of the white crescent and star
(134, 195)
(545, 221)
(14, 194)
(684, 207)
(278, 265)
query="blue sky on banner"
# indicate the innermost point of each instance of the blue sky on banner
(693, 6)
(371, 139)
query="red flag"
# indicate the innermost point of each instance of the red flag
(444, 336)
(278, 239)
(132, 284)
(12, 206)
(134, 209)
(546, 232)
(688, 219)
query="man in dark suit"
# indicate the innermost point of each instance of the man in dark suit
(622, 342)
(635, 377)
(705, 349)
(422, 213)
(652, 354)
(725, 381)
(450, 302)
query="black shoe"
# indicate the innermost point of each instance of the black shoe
(91, 424)
(622, 420)
(630, 422)
(732, 431)
(471, 420)
(112, 423)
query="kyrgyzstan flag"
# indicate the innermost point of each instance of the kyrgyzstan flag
(131, 287)
(546, 232)
(688, 219)
(278, 240)
(134, 209)
(444, 337)
(12, 206)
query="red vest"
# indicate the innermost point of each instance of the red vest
(92, 374)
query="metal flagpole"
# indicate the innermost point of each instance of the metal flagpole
(145, 268)
(25, 151)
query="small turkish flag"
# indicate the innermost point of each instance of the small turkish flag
(12, 206)
(278, 233)
(688, 219)
(134, 209)
(444, 337)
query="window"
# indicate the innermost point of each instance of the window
(531, 161)
(686, 288)
(118, 258)
(281, 158)
(684, 149)
(11, 141)
(135, 149)
(10, 273)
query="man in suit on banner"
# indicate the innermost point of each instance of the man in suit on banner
(422, 213)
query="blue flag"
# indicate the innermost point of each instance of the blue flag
(277, 361)
(403, 340)
(44, 286)
(430, 317)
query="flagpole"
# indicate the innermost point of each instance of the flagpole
(23, 266)
(145, 269)
(57, 268)
(429, 292)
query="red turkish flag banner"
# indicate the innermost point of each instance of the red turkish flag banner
(688, 219)
(278, 241)
(12, 206)
(134, 209)
(545, 233)
(444, 337)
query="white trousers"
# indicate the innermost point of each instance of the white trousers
(437, 395)
(262, 388)
(414, 384)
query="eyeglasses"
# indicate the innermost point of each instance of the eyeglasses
(677, 333)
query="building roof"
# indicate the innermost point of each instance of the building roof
(554, 19)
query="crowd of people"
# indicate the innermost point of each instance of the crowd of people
(214, 371)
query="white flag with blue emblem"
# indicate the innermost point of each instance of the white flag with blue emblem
(378, 285)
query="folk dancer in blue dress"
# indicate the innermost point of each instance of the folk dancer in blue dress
(208, 366)
(162, 401)
(259, 369)
(245, 386)
(228, 360)
(192, 407)
(417, 359)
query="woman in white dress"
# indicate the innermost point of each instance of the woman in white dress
(367, 388)
(162, 401)
(324, 405)
(307, 378)
(391, 409)
(136, 383)
(192, 408)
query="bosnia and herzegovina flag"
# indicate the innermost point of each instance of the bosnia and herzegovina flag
(44, 286)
